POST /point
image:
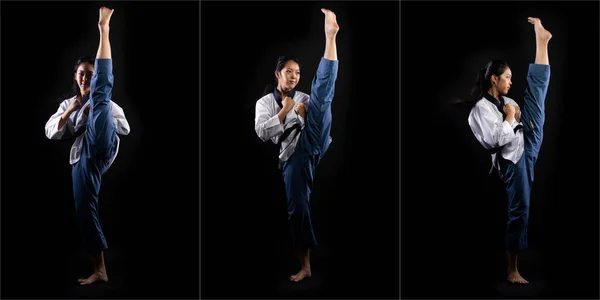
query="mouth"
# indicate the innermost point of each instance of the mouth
(292, 82)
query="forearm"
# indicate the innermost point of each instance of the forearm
(64, 118)
(510, 118)
(282, 113)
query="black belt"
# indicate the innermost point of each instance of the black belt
(296, 127)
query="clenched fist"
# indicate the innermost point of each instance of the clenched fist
(300, 109)
(288, 103)
(509, 109)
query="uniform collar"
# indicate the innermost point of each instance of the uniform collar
(278, 97)
(494, 101)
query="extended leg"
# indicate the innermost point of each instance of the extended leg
(538, 78)
(101, 133)
(318, 126)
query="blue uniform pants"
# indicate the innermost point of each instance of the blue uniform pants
(99, 146)
(298, 171)
(518, 178)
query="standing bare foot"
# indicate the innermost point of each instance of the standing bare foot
(304, 273)
(541, 34)
(515, 277)
(97, 276)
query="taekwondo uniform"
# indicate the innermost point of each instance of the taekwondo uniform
(94, 149)
(303, 143)
(514, 147)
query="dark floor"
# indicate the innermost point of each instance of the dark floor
(26, 278)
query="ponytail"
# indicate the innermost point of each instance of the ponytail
(482, 83)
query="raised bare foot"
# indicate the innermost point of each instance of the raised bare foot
(105, 14)
(304, 272)
(541, 34)
(515, 277)
(331, 25)
(95, 277)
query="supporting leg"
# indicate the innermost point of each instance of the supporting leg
(518, 189)
(86, 187)
(298, 174)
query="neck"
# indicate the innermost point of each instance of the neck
(494, 93)
(283, 93)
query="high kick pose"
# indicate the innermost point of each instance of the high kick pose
(301, 124)
(513, 136)
(95, 121)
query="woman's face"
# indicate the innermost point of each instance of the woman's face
(503, 82)
(289, 76)
(83, 76)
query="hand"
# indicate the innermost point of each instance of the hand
(75, 105)
(105, 14)
(509, 109)
(331, 25)
(288, 103)
(300, 109)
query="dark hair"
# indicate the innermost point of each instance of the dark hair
(281, 61)
(75, 91)
(483, 82)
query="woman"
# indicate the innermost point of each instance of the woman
(513, 136)
(96, 145)
(300, 124)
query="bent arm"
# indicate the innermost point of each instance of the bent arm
(59, 125)
(266, 123)
(491, 132)
(517, 116)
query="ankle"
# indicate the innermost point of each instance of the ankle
(104, 28)
(512, 270)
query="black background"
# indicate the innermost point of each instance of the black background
(149, 197)
(355, 196)
(454, 214)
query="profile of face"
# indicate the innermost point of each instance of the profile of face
(503, 82)
(83, 77)
(289, 76)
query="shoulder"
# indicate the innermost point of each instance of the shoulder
(266, 99)
(66, 102)
(482, 108)
(482, 104)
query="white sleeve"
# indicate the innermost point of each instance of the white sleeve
(121, 124)
(490, 131)
(266, 122)
(52, 130)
